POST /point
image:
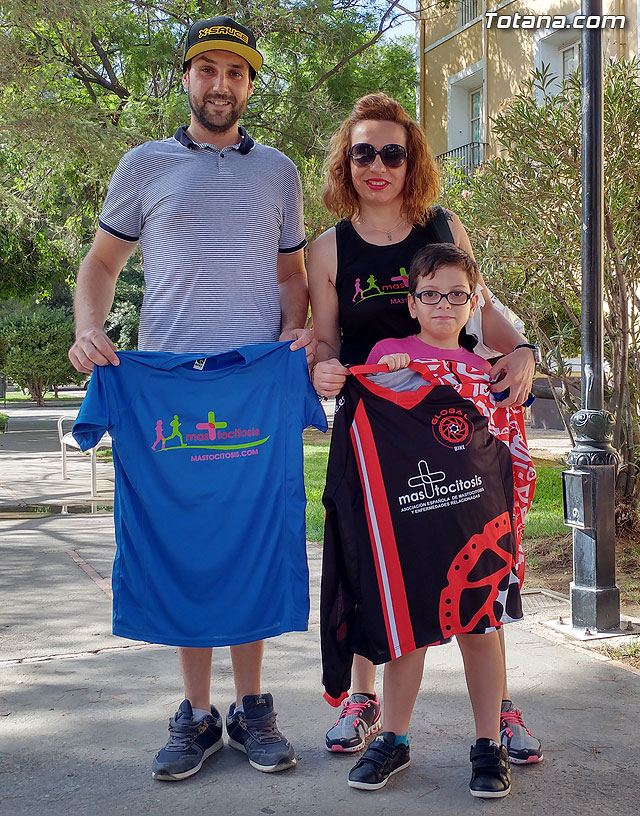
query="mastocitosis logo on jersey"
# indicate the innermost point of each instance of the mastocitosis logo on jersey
(211, 434)
(430, 490)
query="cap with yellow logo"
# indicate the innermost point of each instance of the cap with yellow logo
(222, 34)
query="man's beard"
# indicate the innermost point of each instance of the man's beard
(222, 123)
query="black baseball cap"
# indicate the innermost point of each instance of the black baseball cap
(222, 34)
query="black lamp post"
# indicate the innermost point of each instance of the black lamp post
(588, 488)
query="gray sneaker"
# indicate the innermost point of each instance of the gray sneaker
(360, 717)
(190, 743)
(255, 732)
(523, 748)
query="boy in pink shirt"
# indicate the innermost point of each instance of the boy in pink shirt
(442, 284)
(442, 279)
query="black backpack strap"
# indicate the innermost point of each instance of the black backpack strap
(440, 224)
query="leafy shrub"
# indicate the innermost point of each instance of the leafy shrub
(36, 342)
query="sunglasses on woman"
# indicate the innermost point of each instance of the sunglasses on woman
(364, 154)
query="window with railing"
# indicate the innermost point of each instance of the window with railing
(467, 10)
(465, 159)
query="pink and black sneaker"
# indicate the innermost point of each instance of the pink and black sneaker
(360, 717)
(523, 748)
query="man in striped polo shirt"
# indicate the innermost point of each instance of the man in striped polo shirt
(219, 221)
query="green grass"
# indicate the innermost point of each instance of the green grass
(3, 422)
(18, 396)
(544, 519)
(315, 471)
(629, 653)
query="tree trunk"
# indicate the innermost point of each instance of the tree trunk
(36, 389)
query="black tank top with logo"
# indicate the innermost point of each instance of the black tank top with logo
(372, 283)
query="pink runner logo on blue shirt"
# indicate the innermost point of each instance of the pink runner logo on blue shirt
(206, 434)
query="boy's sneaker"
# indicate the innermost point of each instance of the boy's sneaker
(360, 716)
(190, 743)
(381, 760)
(254, 731)
(490, 771)
(520, 743)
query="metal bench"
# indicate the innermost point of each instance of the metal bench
(67, 441)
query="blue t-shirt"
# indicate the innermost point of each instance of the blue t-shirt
(209, 505)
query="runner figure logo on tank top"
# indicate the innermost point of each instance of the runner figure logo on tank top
(372, 284)
(398, 283)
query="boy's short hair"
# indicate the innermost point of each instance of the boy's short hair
(430, 258)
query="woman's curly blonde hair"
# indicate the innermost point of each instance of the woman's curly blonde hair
(422, 184)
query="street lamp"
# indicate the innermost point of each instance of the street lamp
(589, 487)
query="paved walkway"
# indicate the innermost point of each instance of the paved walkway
(82, 712)
(31, 471)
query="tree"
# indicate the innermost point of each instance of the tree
(36, 341)
(84, 80)
(124, 318)
(33, 259)
(523, 211)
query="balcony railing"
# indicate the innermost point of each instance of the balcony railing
(465, 159)
(467, 11)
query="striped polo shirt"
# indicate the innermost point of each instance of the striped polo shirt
(210, 224)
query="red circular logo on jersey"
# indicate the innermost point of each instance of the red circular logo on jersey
(452, 428)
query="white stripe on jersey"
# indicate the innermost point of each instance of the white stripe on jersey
(379, 550)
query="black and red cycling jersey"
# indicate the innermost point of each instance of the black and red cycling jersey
(428, 483)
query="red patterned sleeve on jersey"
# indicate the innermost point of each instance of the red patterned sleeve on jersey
(524, 482)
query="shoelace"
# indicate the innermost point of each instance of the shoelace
(264, 728)
(182, 734)
(514, 718)
(351, 709)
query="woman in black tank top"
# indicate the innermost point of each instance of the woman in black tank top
(382, 181)
(371, 285)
